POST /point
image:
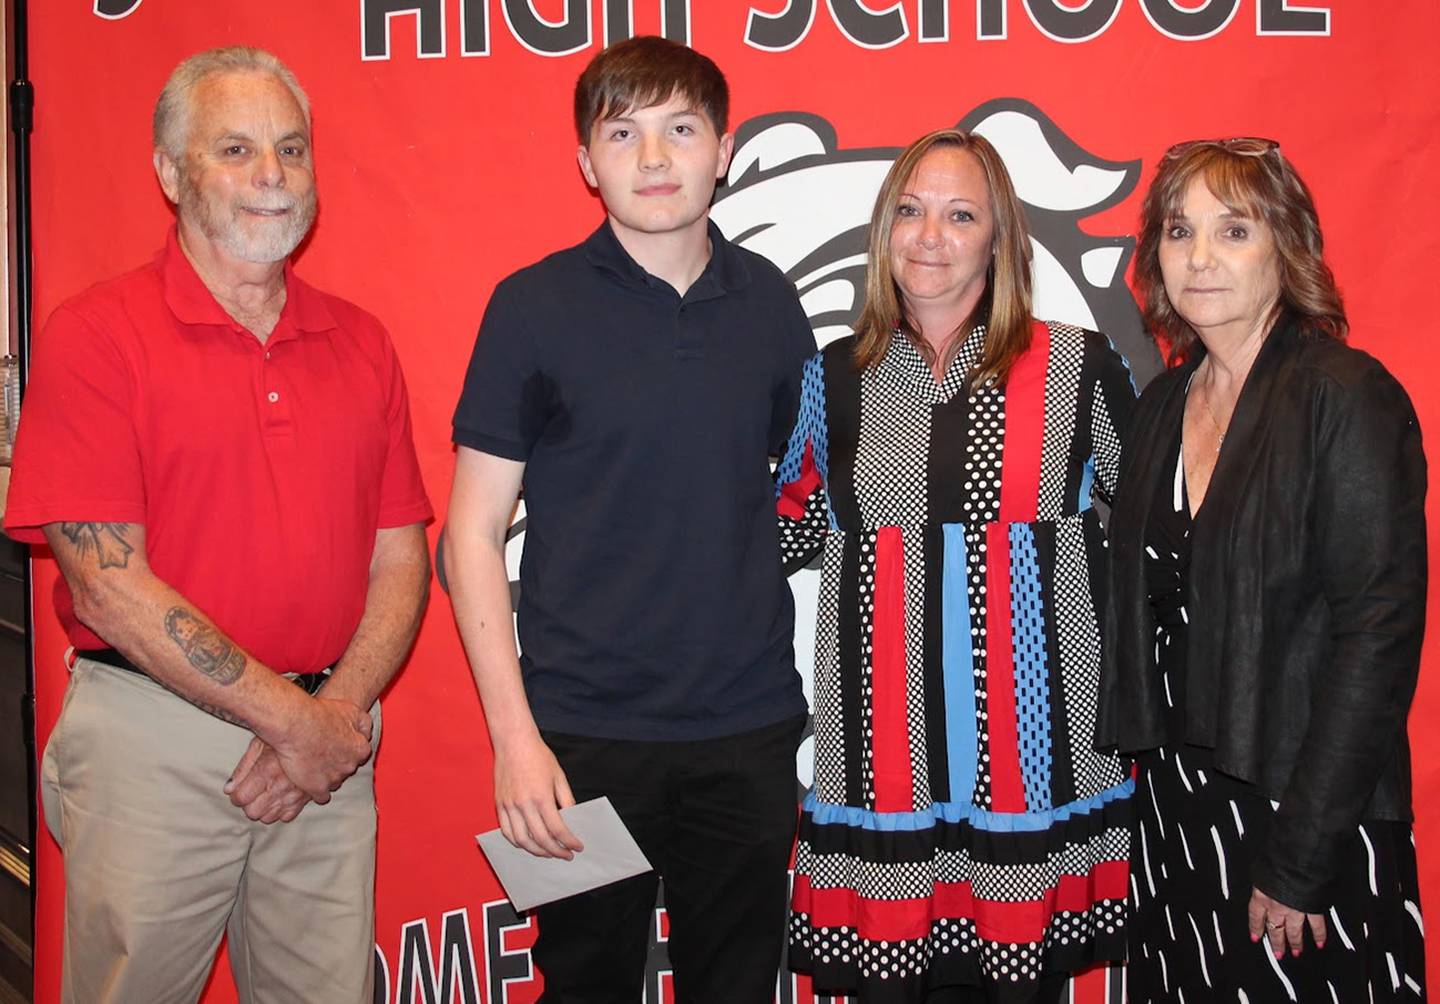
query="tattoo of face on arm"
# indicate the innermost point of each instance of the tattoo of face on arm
(105, 540)
(207, 649)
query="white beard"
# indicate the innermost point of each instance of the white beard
(270, 240)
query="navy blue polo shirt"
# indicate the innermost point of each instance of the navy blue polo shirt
(652, 601)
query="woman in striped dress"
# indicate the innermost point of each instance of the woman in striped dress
(962, 840)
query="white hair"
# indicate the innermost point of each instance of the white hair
(172, 110)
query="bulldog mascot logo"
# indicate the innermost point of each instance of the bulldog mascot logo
(796, 197)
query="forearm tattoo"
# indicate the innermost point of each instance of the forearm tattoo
(209, 709)
(220, 713)
(207, 649)
(105, 540)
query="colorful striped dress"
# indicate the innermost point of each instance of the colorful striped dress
(961, 829)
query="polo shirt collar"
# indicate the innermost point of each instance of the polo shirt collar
(192, 302)
(725, 272)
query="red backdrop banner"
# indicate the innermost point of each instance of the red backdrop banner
(445, 159)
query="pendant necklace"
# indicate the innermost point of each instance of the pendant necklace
(1219, 432)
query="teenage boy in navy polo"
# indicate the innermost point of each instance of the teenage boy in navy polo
(635, 385)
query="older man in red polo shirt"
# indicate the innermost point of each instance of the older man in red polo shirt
(220, 457)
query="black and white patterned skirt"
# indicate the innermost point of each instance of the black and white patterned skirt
(1197, 833)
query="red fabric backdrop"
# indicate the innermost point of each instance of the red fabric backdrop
(440, 175)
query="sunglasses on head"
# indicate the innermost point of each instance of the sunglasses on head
(1244, 146)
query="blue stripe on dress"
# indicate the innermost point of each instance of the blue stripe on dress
(1126, 362)
(809, 425)
(958, 665)
(1087, 485)
(1032, 679)
(827, 813)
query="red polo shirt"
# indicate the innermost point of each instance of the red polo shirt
(260, 472)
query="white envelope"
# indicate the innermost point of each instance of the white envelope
(610, 855)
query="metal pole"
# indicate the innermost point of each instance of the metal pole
(22, 119)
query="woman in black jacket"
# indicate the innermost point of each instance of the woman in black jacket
(1267, 601)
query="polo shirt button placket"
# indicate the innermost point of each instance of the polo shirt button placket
(276, 410)
(687, 337)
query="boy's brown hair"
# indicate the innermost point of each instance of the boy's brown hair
(644, 71)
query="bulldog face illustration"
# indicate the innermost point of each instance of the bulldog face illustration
(796, 197)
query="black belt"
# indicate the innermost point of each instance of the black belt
(308, 682)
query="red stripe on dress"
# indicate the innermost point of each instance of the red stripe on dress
(1019, 499)
(1007, 786)
(889, 718)
(794, 496)
(1005, 922)
(1024, 431)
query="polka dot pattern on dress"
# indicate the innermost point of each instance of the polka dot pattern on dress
(930, 872)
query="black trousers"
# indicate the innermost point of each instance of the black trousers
(1050, 990)
(716, 818)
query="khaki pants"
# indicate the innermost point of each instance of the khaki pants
(159, 864)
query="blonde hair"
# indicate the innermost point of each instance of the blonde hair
(1251, 177)
(1005, 306)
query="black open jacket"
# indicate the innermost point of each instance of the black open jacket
(1306, 603)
